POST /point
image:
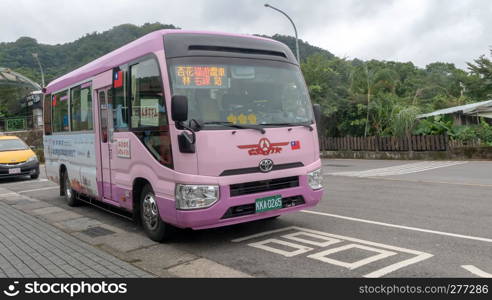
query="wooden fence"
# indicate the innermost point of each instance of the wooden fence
(381, 143)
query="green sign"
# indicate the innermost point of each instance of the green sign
(15, 124)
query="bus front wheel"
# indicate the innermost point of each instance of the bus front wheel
(156, 229)
(70, 196)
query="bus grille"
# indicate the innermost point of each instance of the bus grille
(249, 209)
(247, 188)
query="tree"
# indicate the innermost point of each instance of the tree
(480, 81)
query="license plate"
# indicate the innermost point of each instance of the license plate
(14, 171)
(268, 203)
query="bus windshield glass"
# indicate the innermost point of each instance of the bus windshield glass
(241, 91)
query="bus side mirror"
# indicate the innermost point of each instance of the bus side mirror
(179, 108)
(317, 113)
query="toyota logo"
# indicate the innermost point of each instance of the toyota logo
(266, 165)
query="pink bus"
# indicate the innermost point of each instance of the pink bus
(186, 129)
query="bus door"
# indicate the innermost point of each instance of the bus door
(106, 134)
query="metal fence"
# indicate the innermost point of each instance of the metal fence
(382, 143)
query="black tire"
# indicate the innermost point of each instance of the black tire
(156, 229)
(69, 193)
(35, 175)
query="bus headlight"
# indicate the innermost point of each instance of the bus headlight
(315, 179)
(189, 196)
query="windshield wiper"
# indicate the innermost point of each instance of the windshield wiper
(241, 126)
(304, 124)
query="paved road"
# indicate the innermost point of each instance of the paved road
(377, 219)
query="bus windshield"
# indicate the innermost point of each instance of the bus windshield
(241, 91)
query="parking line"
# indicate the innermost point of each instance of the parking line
(40, 189)
(8, 194)
(462, 236)
(419, 255)
(400, 169)
(428, 181)
(26, 181)
(476, 271)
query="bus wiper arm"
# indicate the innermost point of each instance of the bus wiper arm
(309, 126)
(241, 126)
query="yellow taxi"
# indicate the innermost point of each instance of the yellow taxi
(17, 159)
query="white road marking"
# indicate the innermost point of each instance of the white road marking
(8, 194)
(419, 255)
(476, 271)
(400, 169)
(462, 236)
(27, 181)
(261, 234)
(327, 241)
(40, 189)
(299, 248)
(322, 256)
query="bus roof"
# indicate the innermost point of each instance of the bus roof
(147, 44)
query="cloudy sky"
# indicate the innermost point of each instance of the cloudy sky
(421, 31)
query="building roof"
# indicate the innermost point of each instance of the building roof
(469, 109)
(8, 76)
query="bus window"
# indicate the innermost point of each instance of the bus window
(81, 108)
(47, 114)
(148, 109)
(148, 118)
(59, 105)
(120, 107)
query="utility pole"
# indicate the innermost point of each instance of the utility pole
(295, 29)
(35, 55)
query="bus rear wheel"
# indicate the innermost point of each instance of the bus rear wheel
(70, 196)
(156, 229)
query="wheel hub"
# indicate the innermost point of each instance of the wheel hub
(68, 188)
(150, 212)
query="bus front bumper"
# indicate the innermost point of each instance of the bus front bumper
(240, 209)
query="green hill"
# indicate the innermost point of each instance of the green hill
(59, 59)
(62, 58)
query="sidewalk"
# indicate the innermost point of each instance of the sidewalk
(30, 247)
(45, 238)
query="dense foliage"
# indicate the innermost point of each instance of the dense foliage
(375, 97)
(357, 98)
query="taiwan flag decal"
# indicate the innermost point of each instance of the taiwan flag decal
(295, 145)
(118, 79)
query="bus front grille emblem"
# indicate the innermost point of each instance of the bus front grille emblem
(266, 165)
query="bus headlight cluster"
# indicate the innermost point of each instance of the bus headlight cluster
(189, 196)
(315, 179)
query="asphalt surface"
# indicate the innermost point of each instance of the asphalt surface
(377, 219)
